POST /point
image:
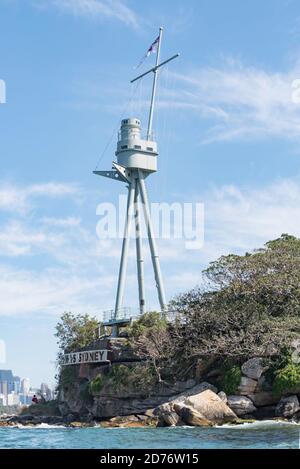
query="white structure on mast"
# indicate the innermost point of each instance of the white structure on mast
(136, 160)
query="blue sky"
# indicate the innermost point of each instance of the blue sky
(227, 129)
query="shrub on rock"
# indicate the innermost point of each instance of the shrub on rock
(287, 380)
(232, 379)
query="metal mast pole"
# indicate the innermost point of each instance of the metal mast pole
(125, 247)
(149, 132)
(139, 254)
(152, 243)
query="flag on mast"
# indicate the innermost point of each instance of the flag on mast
(152, 49)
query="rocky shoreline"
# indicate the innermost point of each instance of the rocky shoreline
(196, 405)
(183, 403)
(130, 421)
(200, 400)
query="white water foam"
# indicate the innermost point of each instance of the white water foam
(40, 426)
(258, 424)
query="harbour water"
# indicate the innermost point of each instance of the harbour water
(270, 435)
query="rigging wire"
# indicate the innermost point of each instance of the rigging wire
(116, 127)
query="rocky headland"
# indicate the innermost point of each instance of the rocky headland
(97, 395)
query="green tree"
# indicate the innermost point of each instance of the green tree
(75, 332)
(150, 339)
(248, 305)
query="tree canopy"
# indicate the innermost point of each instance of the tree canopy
(248, 305)
(75, 331)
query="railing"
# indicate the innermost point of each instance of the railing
(123, 313)
(127, 314)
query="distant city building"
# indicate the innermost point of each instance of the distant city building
(25, 399)
(15, 391)
(3, 400)
(6, 382)
(13, 399)
(25, 386)
(17, 384)
(4, 387)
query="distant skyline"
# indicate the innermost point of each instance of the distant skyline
(227, 127)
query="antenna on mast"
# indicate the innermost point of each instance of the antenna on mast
(150, 120)
(154, 70)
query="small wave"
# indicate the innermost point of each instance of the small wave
(257, 424)
(40, 426)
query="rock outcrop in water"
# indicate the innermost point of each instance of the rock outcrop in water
(204, 408)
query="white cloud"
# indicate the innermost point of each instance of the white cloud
(243, 219)
(18, 199)
(79, 272)
(48, 292)
(16, 241)
(94, 9)
(62, 222)
(238, 101)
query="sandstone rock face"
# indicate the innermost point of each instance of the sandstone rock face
(253, 368)
(198, 406)
(190, 416)
(130, 421)
(247, 386)
(195, 390)
(287, 407)
(110, 403)
(241, 405)
(167, 415)
(262, 399)
(211, 407)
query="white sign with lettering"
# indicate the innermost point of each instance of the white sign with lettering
(89, 356)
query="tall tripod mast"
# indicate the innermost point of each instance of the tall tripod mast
(137, 159)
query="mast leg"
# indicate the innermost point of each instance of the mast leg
(124, 256)
(152, 243)
(139, 254)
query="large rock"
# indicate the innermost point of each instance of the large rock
(262, 399)
(247, 386)
(253, 368)
(211, 407)
(194, 391)
(190, 416)
(287, 407)
(241, 405)
(167, 415)
(130, 421)
(197, 406)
